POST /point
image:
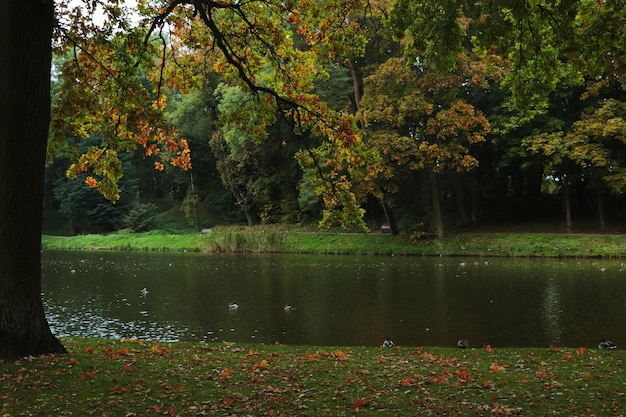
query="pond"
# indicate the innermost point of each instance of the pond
(336, 300)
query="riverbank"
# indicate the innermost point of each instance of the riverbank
(132, 378)
(295, 240)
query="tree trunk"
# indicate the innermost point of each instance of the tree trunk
(25, 53)
(601, 208)
(460, 199)
(391, 220)
(568, 203)
(475, 193)
(436, 204)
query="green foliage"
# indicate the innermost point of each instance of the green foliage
(190, 208)
(141, 217)
(540, 40)
(88, 210)
(244, 118)
(451, 105)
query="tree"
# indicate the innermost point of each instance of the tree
(594, 144)
(535, 37)
(419, 119)
(100, 94)
(26, 52)
(254, 45)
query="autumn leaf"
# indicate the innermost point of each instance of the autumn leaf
(261, 364)
(339, 355)
(495, 367)
(359, 403)
(91, 182)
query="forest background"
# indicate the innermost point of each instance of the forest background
(445, 140)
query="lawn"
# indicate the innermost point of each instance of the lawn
(144, 378)
(295, 240)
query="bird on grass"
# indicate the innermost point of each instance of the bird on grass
(606, 345)
(388, 343)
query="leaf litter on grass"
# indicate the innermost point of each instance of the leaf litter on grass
(137, 378)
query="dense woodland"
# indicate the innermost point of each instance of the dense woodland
(462, 128)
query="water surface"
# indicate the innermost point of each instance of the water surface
(337, 300)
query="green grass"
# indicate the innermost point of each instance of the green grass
(297, 240)
(131, 378)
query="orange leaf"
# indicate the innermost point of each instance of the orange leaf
(225, 374)
(91, 182)
(117, 390)
(407, 382)
(495, 367)
(261, 364)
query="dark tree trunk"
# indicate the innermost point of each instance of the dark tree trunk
(25, 54)
(389, 217)
(568, 203)
(601, 208)
(460, 198)
(475, 198)
(437, 216)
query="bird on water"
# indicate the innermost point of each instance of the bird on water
(388, 343)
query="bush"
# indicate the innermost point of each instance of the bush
(141, 217)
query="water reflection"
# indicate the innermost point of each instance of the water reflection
(551, 311)
(337, 300)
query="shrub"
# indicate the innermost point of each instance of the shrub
(141, 217)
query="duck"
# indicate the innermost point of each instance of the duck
(143, 292)
(233, 306)
(388, 343)
(288, 307)
(462, 343)
(606, 345)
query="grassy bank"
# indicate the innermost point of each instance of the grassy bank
(130, 378)
(295, 240)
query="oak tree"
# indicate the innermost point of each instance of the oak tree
(26, 53)
(101, 94)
